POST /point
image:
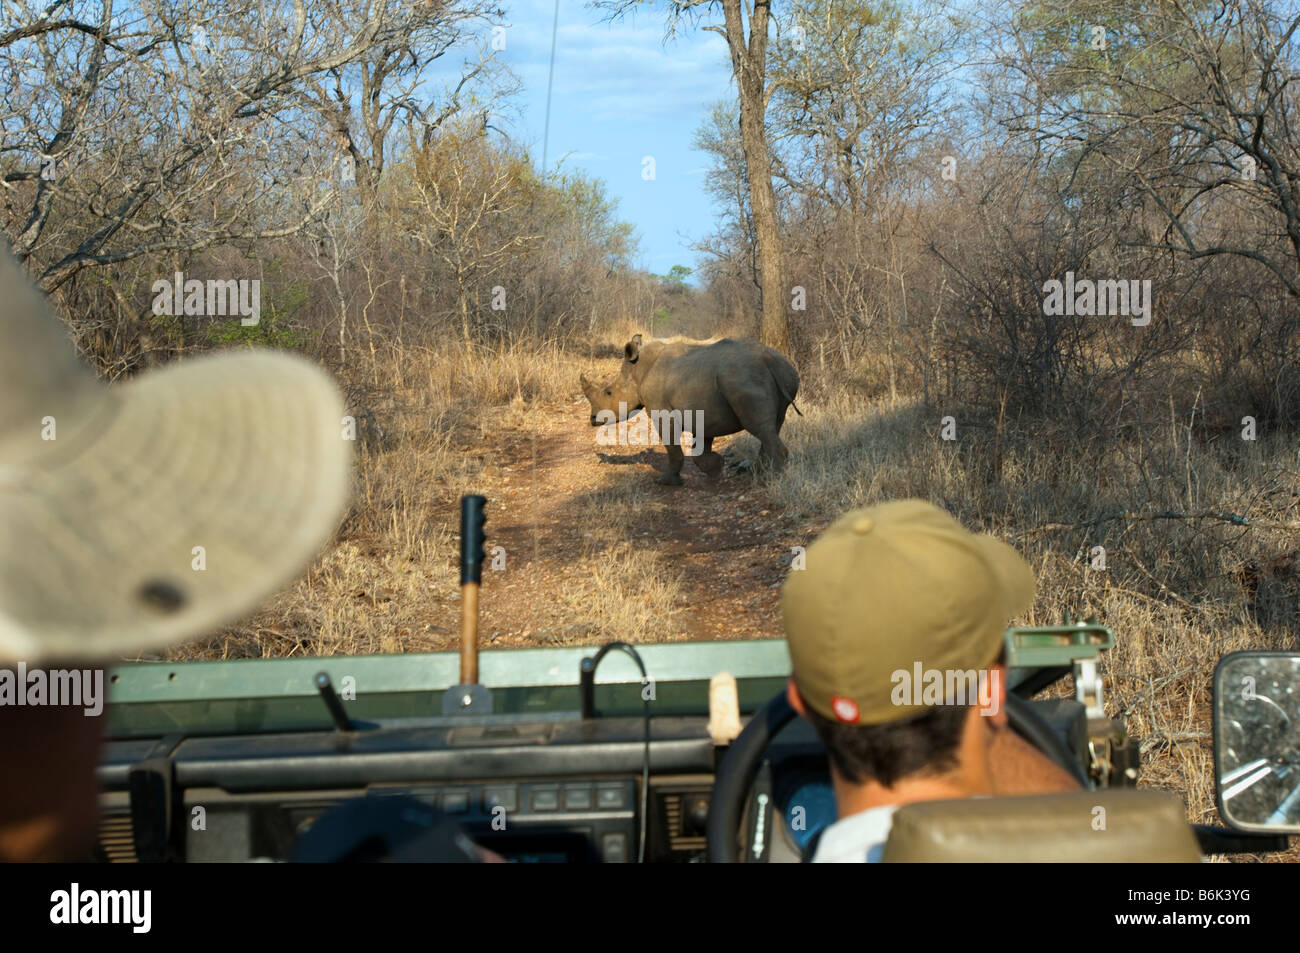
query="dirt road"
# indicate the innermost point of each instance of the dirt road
(549, 487)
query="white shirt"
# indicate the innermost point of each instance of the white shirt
(856, 839)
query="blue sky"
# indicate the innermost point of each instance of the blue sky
(621, 93)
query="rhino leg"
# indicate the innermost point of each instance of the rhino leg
(762, 415)
(710, 462)
(774, 452)
(673, 476)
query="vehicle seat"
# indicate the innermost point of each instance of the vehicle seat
(1119, 825)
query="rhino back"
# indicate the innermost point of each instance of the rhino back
(702, 376)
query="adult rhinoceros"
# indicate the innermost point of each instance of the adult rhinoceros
(710, 390)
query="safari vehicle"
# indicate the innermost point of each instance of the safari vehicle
(624, 755)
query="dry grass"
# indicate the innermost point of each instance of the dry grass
(1179, 592)
(430, 421)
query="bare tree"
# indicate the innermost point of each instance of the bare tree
(170, 127)
(362, 100)
(859, 88)
(464, 202)
(1192, 105)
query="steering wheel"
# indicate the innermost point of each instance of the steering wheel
(740, 766)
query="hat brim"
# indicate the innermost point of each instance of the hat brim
(1016, 586)
(1017, 580)
(200, 490)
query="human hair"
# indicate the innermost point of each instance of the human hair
(924, 743)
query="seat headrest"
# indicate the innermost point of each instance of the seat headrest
(1080, 827)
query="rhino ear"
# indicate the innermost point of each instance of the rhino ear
(632, 350)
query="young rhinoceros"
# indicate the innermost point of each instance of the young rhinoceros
(709, 389)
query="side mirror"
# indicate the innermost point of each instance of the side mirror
(1257, 741)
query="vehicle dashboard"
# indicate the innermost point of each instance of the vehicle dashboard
(235, 761)
(562, 790)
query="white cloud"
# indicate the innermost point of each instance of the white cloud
(622, 71)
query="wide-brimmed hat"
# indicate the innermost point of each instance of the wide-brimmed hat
(137, 515)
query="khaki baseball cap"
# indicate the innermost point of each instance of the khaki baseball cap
(139, 515)
(890, 586)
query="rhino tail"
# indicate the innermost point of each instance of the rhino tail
(780, 388)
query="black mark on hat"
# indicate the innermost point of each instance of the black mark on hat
(162, 595)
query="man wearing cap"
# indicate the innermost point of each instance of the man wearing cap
(134, 517)
(895, 600)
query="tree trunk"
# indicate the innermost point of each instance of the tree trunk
(464, 310)
(749, 64)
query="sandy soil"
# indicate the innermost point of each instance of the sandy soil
(729, 545)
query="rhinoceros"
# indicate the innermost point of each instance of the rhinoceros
(710, 390)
